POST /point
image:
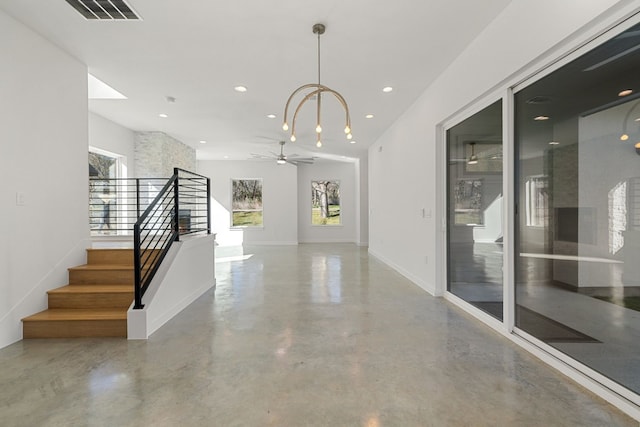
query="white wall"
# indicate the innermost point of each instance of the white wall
(347, 231)
(286, 202)
(402, 176)
(109, 136)
(279, 198)
(187, 272)
(362, 189)
(43, 118)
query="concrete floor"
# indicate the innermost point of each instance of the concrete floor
(308, 335)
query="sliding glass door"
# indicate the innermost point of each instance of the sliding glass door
(474, 210)
(578, 209)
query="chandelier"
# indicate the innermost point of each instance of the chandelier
(315, 90)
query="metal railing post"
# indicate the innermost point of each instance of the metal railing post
(137, 268)
(208, 205)
(176, 201)
(137, 198)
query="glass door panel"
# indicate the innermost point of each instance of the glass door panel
(474, 210)
(578, 222)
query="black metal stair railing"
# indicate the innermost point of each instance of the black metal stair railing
(182, 206)
(115, 204)
(193, 198)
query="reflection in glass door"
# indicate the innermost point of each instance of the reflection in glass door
(474, 210)
(578, 223)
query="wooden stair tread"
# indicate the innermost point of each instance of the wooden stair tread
(102, 267)
(124, 251)
(92, 288)
(65, 314)
(110, 256)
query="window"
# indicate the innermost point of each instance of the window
(325, 202)
(105, 193)
(468, 202)
(246, 203)
(536, 201)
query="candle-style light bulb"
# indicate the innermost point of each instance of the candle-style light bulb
(293, 138)
(285, 126)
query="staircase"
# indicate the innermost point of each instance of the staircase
(93, 304)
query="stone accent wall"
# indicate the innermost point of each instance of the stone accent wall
(156, 154)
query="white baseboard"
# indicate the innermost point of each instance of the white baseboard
(413, 278)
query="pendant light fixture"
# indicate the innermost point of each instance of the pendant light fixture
(315, 89)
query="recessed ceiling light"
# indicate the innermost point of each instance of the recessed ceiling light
(625, 92)
(624, 137)
(226, 157)
(240, 88)
(203, 142)
(554, 143)
(541, 118)
(352, 141)
(387, 89)
(163, 115)
(271, 116)
(369, 116)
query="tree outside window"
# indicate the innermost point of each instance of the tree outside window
(102, 193)
(325, 202)
(246, 203)
(468, 202)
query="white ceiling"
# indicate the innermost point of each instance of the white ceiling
(198, 50)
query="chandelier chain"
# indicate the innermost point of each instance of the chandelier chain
(318, 58)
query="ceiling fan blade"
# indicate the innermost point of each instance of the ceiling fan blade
(260, 156)
(304, 161)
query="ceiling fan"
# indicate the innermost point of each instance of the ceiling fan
(493, 153)
(282, 158)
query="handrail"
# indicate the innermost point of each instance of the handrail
(146, 237)
(178, 209)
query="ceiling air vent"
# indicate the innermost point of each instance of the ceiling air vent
(103, 9)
